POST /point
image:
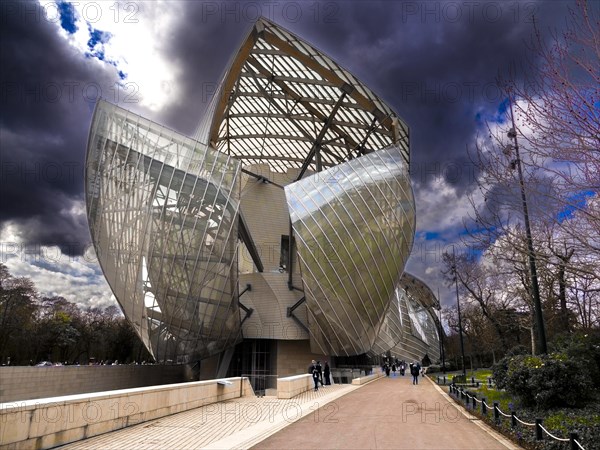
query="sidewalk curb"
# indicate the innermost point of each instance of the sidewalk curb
(477, 421)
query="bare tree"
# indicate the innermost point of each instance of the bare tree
(560, 110)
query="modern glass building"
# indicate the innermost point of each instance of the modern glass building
(280, 230)
(411, 328)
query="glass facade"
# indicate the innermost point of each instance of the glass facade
(162, 211)
(411, 327)
(354, 225)
(311, 156)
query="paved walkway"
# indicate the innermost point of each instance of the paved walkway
(387, 413)
(390, 413)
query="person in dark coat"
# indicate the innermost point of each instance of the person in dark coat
(315, 374)
(327, 373)
(320, 369)
(414, 371)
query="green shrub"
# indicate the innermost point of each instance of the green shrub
(584, 346)
(500, 369)
(500, 372)
(548, 380)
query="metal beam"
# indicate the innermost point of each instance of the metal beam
(328, 74)
(261, 178)
(231, 78)
(346, 89)
(246, 237)
(247, 310)
(290, 313)
(305, 103)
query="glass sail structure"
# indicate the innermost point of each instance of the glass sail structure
(411, 326)
(162, 212)
(293, 150)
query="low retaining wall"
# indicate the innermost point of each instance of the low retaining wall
(289, 387)
(46, 423)
(28, 383)
(367, 378)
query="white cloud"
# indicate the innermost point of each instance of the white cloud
(78, 279)
(138, 30)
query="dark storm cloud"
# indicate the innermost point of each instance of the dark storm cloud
(436, 63)
(435, 68)
(47, 92)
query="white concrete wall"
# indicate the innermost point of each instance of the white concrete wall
(289, 387)
(367, 378)
(46, 423)
(27, 383)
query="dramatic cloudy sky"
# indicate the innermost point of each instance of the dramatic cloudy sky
(435, 62)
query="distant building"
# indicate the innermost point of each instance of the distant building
(277, 235)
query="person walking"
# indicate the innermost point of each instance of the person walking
(320, 370)
(415, 369)
(326, 374)
(315, 374)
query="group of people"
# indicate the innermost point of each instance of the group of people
(319, 373)
(414, 369)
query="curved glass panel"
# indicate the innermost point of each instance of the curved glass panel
(354, 226)
(391, 333)
(420, 329)
(162, 211)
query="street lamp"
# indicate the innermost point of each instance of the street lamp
(442, 354)
(460, 329)
(535, 290)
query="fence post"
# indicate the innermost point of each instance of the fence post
(572, 438)
(467, 399)
(483, 407)
(496, 411)
(472, 380)
(474, 402)
(444, 379)
(477, 383)
(450, 389)
(489, 382)
(538, 430)
(438, 379)
(513, 419)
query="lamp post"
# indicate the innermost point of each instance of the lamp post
(460, 329)
(443, 356)
(442, 346)
(541, 346)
